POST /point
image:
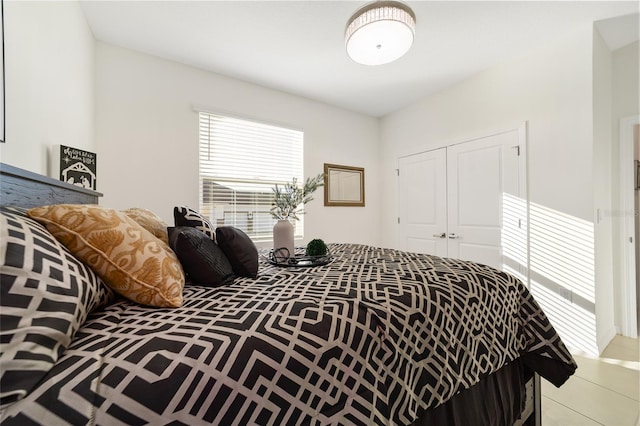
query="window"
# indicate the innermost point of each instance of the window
(240, 162)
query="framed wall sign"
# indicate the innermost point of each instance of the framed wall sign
(74, 166)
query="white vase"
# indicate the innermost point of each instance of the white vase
(283, 238)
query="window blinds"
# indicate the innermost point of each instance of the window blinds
(240, 162)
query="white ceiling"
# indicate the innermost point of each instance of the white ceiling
(298, 46)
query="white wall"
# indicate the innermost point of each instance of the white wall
(626, 98)
(602, 182)
(147, 138)
(551, 88)
(49, 60)
(626, 84)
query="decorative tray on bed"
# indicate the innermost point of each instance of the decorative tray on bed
(280, 257)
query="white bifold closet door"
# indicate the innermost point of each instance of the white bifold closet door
(423, 202)
(462, 201)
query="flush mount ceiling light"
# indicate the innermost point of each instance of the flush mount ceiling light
(380, 32)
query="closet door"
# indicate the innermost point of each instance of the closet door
(483, 182)
(467, 201)
(422, 186)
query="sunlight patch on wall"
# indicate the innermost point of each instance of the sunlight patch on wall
(576, 326)
(562, 271)
(561, 267)
(563, 247)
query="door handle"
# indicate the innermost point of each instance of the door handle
(443, 235)
(453, 236)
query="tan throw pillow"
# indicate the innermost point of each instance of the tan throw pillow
(149, 221)
(126, 256)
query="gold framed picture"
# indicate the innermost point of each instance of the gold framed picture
(343, 185)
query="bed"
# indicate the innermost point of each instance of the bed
(377, 336)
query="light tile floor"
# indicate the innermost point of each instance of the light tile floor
(603, 391)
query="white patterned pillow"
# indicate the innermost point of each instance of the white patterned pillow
(46, 295)
(186, 216)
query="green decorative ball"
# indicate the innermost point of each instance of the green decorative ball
(316, 247)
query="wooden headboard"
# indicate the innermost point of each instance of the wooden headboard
(22, 188)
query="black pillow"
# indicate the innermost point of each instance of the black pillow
(186, 216)
(240, 250)
(203, 261)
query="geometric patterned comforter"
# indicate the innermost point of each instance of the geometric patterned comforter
(375, 337)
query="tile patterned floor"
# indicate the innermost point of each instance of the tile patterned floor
(604, 391)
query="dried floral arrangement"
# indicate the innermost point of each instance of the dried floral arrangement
(289, 200)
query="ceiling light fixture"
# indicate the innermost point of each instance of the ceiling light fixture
(380, 32)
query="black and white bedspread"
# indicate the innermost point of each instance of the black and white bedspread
(375, 337)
